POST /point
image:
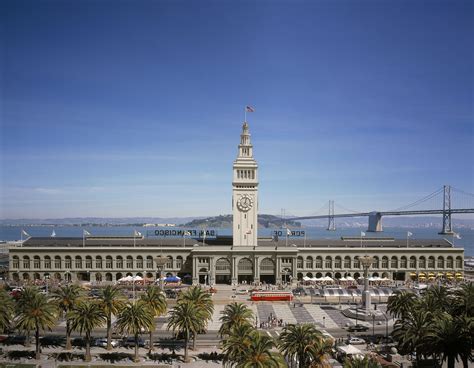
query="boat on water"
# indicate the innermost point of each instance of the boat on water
(271, 296)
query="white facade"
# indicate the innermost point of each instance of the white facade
(245, 193)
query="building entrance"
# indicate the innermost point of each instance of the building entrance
(223, 279)
(268, 279)
(245, 279)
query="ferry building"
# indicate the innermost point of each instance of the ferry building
(244, 257)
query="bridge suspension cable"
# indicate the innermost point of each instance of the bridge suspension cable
(419, 201)
(345, 209)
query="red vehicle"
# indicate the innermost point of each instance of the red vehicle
(272, 296)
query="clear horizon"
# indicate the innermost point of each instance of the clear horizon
(135, 109)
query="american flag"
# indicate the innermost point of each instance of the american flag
(249, 109)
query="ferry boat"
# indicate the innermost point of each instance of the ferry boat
(271, 296)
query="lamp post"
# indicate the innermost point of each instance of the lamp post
(46, 280)
(373, 327)
(366, 262)
(160, 263)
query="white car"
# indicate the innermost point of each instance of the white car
(355, 341)
(103, 343)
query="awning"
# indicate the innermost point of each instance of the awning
(421, 274)
(412, 274)
(440, 274)
(335, 292)
(458, 274)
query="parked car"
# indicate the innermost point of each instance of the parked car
(81, 342)
(15, 340)
(129, 342)
(52, 340)
(355, 341)
(102, 342)
(357, 328)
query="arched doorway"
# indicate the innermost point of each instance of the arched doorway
(203, 276)
(267, 271)
(223, 271)
(245, 271)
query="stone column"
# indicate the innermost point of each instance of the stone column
(212, 271)
(256, 270)
(278, 270)
(294, 270)
(234, 270)
(195, 271)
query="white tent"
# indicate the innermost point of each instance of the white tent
(343, 279)
(137, 278)
(126, 279)
(350, 278)
(306, 278)
(349, 350)
(327, 278)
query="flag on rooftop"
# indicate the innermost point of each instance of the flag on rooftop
(409, 233)
(137, 233)
(362, 233)
(288, 232)
(186, 233)
(457, 236)
(86, 233)
(53, 234)
(25, 233)
(249, 109)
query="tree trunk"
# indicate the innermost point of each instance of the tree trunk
(194, 341)
(186, 340)
(68, 335)
(109, 332)
(137, 359)
(151, 347)
(465, 360)
(27, 342)
(451, 361)
(38, 352)
(88, 348)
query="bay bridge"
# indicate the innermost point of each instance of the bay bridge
(464, 204)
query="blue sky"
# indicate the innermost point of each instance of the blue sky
(134, 108)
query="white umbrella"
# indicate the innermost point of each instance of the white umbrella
(343, 279)
(350, 278)
(137, 278)
(306, 278)
(327, 278)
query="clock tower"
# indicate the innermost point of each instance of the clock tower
(245, 193)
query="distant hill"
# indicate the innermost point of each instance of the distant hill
(221, 221)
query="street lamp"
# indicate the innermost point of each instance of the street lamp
(160, 263)
(46, 279)
(366, 262)
(373, 327)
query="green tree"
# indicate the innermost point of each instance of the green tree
(6, 311)
(259, 352)
(111, 300)
(39, 313)
(156, 301)
(67, 297)
(464, 300)
(234, 314)
(295, 342)
(367, 361)
(401, 302)
(204, 305)
(24, 299)
(185, 320)
(85, 317)
(236, 343)
(134, 318)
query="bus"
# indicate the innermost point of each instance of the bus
(272, 296)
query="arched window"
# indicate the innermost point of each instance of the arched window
(88, 262)
(267, 265)
(384, 262)
(119, 262)
(36, 262)
(223, 264)
(394, 262)
(328, 262)
(403, 262)
(440, 262)
(458, 262)
(245, 264)
(375, 262)
(98, 263)
(139, 262)
(109, 263)
(422, 262)
(431, 262)
(179, 262)
(16, 262)
(169, 263)
(337, 262)
(129, 262)
(57, 262)
(149, 262)
(309, 262)
(319, 262)
(356, 262)
(78, 262)
(449, 262)
(347, 262)
(299, 262)
(67, 262)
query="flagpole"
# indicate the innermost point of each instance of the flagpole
(83, 239)
(245, 114)
(134, 233)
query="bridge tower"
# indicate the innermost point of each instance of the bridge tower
(447, 229)
(331, 222)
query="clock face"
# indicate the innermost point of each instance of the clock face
(245, 203)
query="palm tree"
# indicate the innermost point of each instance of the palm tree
(6, 311)
(296, 340)
(21, 302)
(464, 300)
(452, 337)
(111, 300)
(186, 320)
(156, 301)
(134, 318)
(85, 317)
(366, 362)
(259, 352)
(400, 303)
(236, 343)
(67, 296)
(234, 314)
(39, 313)
(202, 301)
(320, 351)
